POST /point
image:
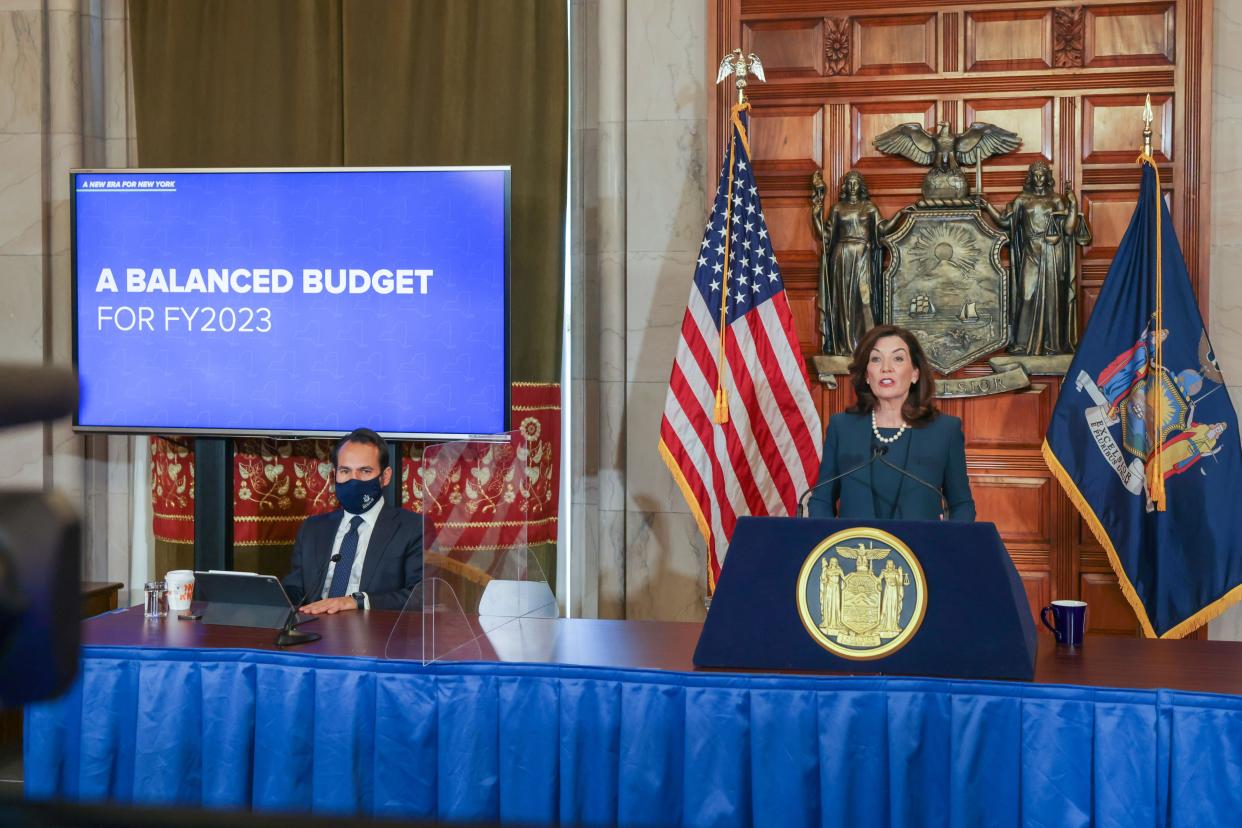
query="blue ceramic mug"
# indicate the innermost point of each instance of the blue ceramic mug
(1068, 621)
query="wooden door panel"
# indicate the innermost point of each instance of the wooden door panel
(889, 205)
(1009, 40)
(1086, 302)
(789, 225)
(1008, 421)
(903, 44)
(788, 48)
(1108, 213)
(805, 314)
(867, 120)
(1031, 118)
(1113, 127)
(1107, 609)
(787, 138)
(1038, 586)
(1018, 505)
(1129, 35)
(1108, 612)
(1085, 538)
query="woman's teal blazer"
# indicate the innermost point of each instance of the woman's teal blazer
(937, 455)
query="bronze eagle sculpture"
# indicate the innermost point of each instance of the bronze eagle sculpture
(944, 152)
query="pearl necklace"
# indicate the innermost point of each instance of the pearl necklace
(875, 429)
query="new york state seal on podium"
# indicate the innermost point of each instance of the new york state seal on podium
(862, 594)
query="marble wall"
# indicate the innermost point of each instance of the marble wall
(597, 157)
(21, 221)
(641, 205)
(666, 154)
(65, 102)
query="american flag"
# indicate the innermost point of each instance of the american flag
(766, 453)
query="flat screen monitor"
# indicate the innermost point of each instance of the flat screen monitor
(292, 302)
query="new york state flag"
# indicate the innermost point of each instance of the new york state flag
(1144, 438)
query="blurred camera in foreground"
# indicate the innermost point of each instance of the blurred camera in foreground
(40, 555)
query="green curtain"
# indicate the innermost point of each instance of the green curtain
(221, 83)
(474, 82)
(373, 83)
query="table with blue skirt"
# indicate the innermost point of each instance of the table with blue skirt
(607, 722)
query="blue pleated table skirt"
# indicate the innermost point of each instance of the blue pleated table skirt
(546, 744)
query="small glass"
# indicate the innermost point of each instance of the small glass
(157, 600)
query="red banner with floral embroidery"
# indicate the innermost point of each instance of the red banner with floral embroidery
(277, 484)
(172, 490)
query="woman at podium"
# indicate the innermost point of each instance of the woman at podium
(893, 455)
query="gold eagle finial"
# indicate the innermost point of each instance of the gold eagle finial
(740, 66)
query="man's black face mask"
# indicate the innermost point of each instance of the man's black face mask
(359, 495)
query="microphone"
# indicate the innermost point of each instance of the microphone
(36, 392)
(288, 635)
(323, 575)
(917, 479)
(876, 453)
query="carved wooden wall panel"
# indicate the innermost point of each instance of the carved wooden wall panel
(1032, 118)
(790, 48)
(1038, 586)
(1129, 35)
(885, 45)
(1008, 40)
(788, 138)
(806, 317)
(1108, 127)
(1018, 505)
(789, 224)
(1109, 212)
(1108, 609)
(1070, 80)
(1009, 421)
(867, 120)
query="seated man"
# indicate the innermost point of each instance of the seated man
(380, 547)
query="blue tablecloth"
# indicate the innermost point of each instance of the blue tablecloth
(540, 744)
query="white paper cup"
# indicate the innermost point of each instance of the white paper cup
(180, 584)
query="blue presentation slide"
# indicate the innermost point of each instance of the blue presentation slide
(292, 301)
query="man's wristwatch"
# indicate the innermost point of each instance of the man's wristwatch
(360, 600)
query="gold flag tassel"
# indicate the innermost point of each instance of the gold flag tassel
(737, 66)
(737, 132)
(720, 413)
(1156, 473)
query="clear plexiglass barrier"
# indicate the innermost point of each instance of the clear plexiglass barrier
(479, 575)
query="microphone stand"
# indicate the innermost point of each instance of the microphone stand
(289, 635)
(804, 502)
(916, 479)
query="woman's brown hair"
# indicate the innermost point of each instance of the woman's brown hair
(920, 405)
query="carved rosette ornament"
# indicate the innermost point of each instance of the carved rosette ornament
(837, 45)
(1067, 49)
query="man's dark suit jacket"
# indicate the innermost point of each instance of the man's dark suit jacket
(393, 566)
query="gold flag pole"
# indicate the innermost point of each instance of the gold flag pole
(738, 66)
(1156, 474)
